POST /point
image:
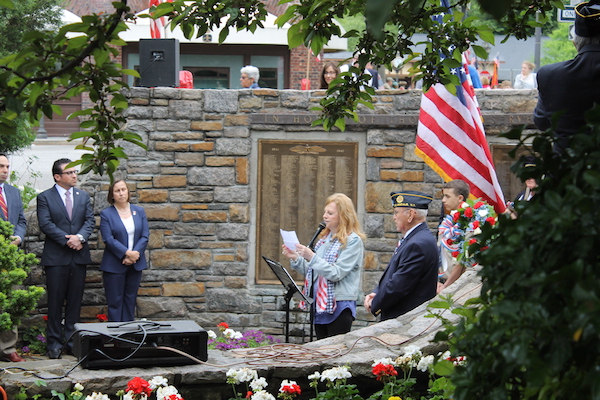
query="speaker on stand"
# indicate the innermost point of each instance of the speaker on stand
(159, 62)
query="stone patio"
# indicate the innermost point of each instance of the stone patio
(206, 381)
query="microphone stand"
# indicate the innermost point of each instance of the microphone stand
(313, 306)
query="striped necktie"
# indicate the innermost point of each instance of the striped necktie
(69, 204)
(3, 205)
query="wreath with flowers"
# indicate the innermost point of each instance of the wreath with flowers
(460, 229)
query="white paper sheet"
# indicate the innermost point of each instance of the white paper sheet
(290, 239)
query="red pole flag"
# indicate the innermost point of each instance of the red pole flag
(157, 26)
(451, 139)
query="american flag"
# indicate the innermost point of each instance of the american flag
(451, 138)
(157, 26)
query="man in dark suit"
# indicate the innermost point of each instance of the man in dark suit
(572, 86)
(410, 278)
(66, 218)
(11, 210)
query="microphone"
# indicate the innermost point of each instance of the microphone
(311, 244)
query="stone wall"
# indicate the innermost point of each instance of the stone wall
(197, 184)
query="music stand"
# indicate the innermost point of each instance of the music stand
(292, 291)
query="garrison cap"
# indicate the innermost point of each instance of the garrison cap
(587, 19)
(411, 198)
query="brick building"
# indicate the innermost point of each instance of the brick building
(213, 65)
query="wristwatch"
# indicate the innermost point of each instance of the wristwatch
(81, 239)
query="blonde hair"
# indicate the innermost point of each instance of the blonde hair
(529, 65)
(348, 219)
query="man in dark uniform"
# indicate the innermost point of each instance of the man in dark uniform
(410, 278)
(572, 86)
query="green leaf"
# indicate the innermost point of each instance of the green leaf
(7, 4)
(495, 8)
(295, 37)
(480, 51)
(377, 13)
(223, 34)
(443, 368)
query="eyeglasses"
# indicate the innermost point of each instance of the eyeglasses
(70, 173)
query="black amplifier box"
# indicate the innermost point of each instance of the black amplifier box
(134, 344)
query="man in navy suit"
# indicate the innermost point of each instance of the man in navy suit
(66, 218)
(572, 86)
(14, 207)
(410, 278)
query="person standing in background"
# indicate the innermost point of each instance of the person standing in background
(125, 232)
(11, 210)
(330, 72)
(249, 78)
(66, 217)
(527, 78)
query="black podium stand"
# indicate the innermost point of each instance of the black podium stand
(292, 291)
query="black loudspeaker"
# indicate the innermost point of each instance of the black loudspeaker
(139, 344)
(159, 62)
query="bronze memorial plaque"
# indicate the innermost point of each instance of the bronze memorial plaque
(294, 179)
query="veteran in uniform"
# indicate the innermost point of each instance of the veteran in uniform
(410, 278)
(572, 86)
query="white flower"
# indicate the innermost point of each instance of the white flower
(384, 361)
(483, 213)
(258, 384)
(445, 355)
(242, 375)
(314, 376)
(336, 373)
(157, 381)
(78, 387)
(228, 332)
(212, 335)
(477, 231)
(237, 335)
(97, 396)
(412, 349)
(424, 363)
(129, 395)
(164, 392)
(262, 395)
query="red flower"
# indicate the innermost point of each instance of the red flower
(102, 317)
(491, 220)
(291, 389)
(475, 224)
(455, 217)
(449, 242)
(249, 394)
(455, 254)
(176, 397)
(383, 370)
(468, 212)
(478, 204)
(139, 386)
(472, 241)
(45, 318)
(222, 326)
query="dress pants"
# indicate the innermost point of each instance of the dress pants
(121, 293)
(65, 285)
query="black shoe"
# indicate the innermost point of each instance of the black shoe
(53, 354)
